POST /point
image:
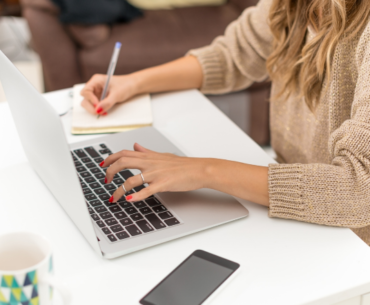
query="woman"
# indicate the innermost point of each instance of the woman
(317, 53)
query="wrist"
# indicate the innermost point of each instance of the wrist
(140, 82)
(210, 173)
(129, 85)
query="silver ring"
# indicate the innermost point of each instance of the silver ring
(124, 188)
(142, 177)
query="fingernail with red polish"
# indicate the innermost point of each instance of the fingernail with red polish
(111, 199)
(99, 110)
(105, 180)
(101, 164)
(104, 113)
(128, 197)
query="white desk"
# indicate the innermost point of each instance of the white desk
(283, 262)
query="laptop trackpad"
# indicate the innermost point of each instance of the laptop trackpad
(205, 206)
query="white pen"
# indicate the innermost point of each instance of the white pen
(111, 68)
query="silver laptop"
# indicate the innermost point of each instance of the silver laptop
(72, 175)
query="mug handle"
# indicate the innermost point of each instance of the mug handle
(57, 285)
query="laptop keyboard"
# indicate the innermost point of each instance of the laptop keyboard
(121, 220)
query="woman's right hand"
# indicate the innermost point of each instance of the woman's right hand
(120, 89)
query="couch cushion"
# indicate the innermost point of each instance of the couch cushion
(243, 4)
(158, 37)
(168, 4)
(88, 36)
(41, 4)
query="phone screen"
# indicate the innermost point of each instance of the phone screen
(190, 283)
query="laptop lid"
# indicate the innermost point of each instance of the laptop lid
(43, 139)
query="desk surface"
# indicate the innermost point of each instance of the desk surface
(283, 262)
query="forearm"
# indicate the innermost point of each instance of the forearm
(241, 180)
(180, 74)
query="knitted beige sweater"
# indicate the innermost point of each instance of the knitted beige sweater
(323, 176)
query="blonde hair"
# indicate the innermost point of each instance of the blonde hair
(304, 67)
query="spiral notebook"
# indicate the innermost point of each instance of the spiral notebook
(132, 114)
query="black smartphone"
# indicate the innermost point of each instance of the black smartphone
(194, 281)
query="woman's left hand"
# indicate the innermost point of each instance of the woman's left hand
(163, 172)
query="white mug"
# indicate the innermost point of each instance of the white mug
(26, 271)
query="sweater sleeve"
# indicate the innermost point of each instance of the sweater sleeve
(234, 61)
(336, 194)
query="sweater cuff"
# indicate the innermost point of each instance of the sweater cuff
(285, 191)
(212, 67)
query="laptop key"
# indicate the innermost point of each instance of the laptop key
(165, 215)
(95, 170)
(99, 191)
(140, 204)
(126, 221)
(137, 217)
(105, 151)
(103, 145)
(99, 160)
(95, 203)
(144, 226)
(80, 153)
(125, 204)
(122, 199)
(115, 209)
(120, 215)
(91, 211)
(131, 210)
(90, 197)
(122, 235)
(101, 209)
(95, 217)
(90, 180)
(133, 230)
(111, 192)
(94, 185)
(85, 174)
(109, 204)
(78, 163)
(111, 221)
(139, 188)
(152, 202)
(104, 197)
(129, 193)
(86, 160)
(92, 152)
(116, 228)
(126, 174)
(118, 181)
(100, 176)
(172, 222)
(145, 210)
(106, 230)
(83, 185)
(112, 238)
(155, 221)
(109, 187)
(100, 223)
(90, 165)
(160, 208)
(105, 215)
(80, 169)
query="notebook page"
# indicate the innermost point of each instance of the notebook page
(135, 112)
